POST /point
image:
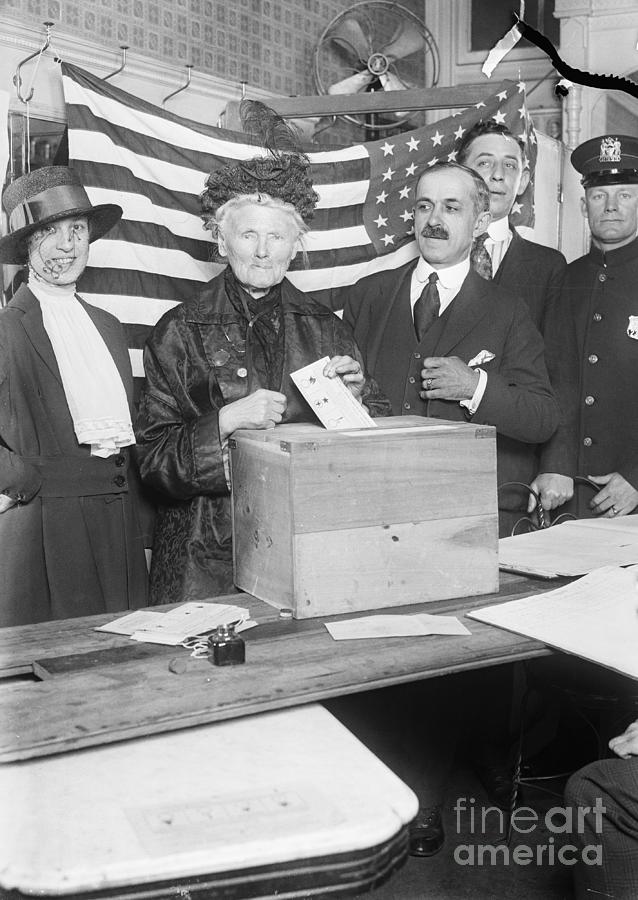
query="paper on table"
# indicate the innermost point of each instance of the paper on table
(395, 626)
(573, 548)
(595, 617)
(141, 618)
(175, 626)
(333, 404)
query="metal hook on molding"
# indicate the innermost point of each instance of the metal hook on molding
(17, 78)
(123, 48)
(179, 90)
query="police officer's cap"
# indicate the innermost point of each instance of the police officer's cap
(608, 159)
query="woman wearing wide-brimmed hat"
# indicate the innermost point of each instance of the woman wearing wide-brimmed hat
(71, 543)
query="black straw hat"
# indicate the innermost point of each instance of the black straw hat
(47, 195)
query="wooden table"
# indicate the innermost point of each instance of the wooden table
(64, 686)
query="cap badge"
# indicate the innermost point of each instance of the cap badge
(610, 150)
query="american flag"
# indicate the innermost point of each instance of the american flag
(154, 164)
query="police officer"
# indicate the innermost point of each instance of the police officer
(598, 328)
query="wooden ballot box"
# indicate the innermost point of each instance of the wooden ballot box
(327, 522)
(235, 810)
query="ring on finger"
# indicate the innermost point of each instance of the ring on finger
(613, 510)
(428, 384)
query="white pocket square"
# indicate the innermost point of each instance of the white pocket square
(484, 356)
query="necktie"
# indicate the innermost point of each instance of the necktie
(480, 259)
(427, 306)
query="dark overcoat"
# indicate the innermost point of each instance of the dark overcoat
(195, 362)
(73, 545)
(518, 399)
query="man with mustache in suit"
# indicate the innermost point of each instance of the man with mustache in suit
(443, 342)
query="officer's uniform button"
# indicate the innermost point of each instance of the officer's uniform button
(406, 406)
(602, 277)
(590, 400)
(411, 379)
(119, 461)
(598, 317)
(417, 355)
(587, 442)
(119, 480)
(242, 372)
(592, 358)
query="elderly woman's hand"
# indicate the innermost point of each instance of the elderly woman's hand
(261, 409)
(350, 372)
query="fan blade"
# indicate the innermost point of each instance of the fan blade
(392, 82)
(353, 84)
(349, 35)
(405, 41)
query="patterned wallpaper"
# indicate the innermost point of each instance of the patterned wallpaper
(268, 43)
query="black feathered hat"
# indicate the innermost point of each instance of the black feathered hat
(47, 195)
(284, 173)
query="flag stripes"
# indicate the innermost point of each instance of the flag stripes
(154, 165)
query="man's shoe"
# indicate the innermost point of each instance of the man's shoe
(498, 784)
(426, 832)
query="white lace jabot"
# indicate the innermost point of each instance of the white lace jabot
(92, 384)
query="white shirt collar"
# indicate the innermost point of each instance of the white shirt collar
(499, 230)
(450, 278)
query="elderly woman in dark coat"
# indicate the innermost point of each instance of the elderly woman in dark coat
(223, 362)
(70, 538)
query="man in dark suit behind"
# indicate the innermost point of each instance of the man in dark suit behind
(529, 270)
(481, 358)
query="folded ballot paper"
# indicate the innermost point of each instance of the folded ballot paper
(333, 403)
(175, 626)
(384, 626)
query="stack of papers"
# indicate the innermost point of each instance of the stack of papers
(573, 548)
(595, 617)
(187, 620)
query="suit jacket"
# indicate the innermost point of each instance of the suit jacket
(518, 399)
(67, 548)
(533, 272)
(536, 274)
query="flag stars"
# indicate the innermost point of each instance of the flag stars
(521, 86)
(479, 104)
(407, 215)
(522, 112)
(387, 175)
(404, 193)
(436, 138)
(388, 239)
(499, 117)
(516, 207)
(502, 95)
(433, 161)
(412, 144)
(382, 197)
(460, 131)
(451, 157)
(380, 221)
(388, 149)
(411, 170)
